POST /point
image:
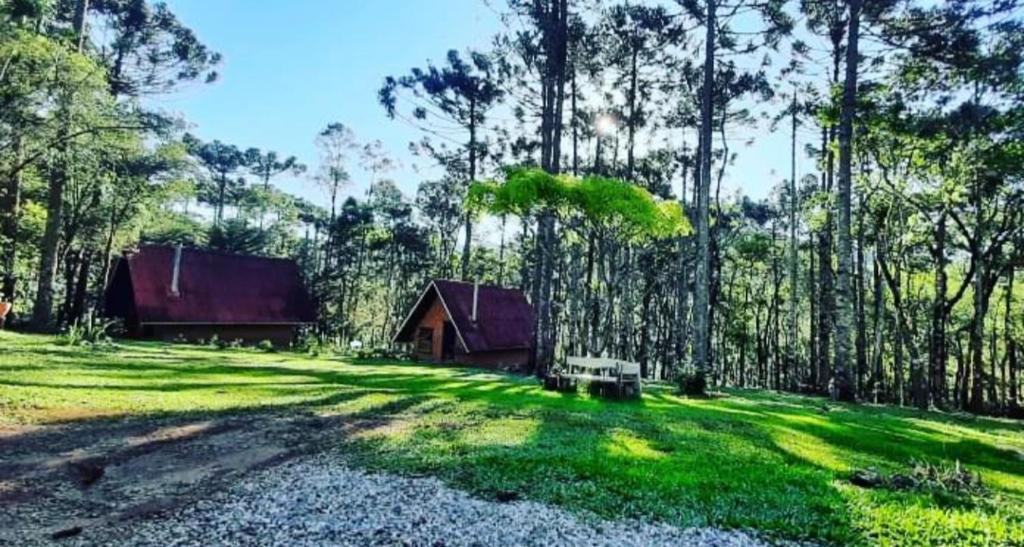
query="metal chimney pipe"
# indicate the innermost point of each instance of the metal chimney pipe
(476, 298)
(176, 272)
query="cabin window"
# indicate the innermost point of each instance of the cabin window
(425, 340)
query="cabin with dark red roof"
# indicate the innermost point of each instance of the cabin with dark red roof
(175, 293)
(470, 324)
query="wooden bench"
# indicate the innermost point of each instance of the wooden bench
(623, 375)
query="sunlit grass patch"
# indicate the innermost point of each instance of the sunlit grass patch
(809, 448)
(623, 444)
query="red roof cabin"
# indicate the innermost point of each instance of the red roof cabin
(170, 293)
(470, 324)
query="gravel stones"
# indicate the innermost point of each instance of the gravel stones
(321, 501)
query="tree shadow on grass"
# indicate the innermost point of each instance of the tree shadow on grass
(693, 462)
(617, 460)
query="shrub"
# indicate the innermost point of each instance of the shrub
(265, 345)
(309, 343)
(88, 331)
(693, 383)
(216, 342)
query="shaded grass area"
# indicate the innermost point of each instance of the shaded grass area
(775, 463)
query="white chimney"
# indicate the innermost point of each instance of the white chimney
(176, 272)
(476, 298)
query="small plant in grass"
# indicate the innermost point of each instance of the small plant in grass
(381, 354)
(265, 345)
(88, 331)
(216, 342)
(946, 482)
(309, 343)
(952, 478)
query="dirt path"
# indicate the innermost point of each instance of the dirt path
(64, 480)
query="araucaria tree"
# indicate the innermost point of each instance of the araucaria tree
(459, 95)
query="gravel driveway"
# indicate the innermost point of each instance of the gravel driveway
(320, 501)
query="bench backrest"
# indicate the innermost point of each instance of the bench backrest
(624, 367)
(589, 361)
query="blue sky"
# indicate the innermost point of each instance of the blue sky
(292, 67)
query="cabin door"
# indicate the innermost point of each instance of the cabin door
(448, 342)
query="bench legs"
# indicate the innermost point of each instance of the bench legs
(616, 388)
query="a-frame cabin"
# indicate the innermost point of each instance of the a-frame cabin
(470, 324)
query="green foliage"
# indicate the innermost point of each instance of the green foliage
(946, 478)
(463, 90)
(311, 344)
(379, 354)
(237, 237)
(150, 51)
(89, 331)
(693, 384)
(266, 345)
(37, 70)
(627, 210)
(172, 228)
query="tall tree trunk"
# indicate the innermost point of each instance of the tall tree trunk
(77, 308)
(574, 121)
(42, 311)
(467, 246)
(939, 312)
(878, 374)
(108, 251)
(843, 385)
(812, 301)
(794, 291)
(902, 339)
(681, 328)
(977, 330)
(860, 293)
(1012, 402)
(222, 185)
(554, 18)
(776, 313)
(826, 297)
(625, 329)
(590, 323)
(701, 300)
(631, 97)
(501, 253)
(645, 314)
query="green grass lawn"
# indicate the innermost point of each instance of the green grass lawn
(770, 462)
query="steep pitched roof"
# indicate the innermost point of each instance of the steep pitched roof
(504, 317)
(216, 288)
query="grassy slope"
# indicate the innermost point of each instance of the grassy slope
(770, 462)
